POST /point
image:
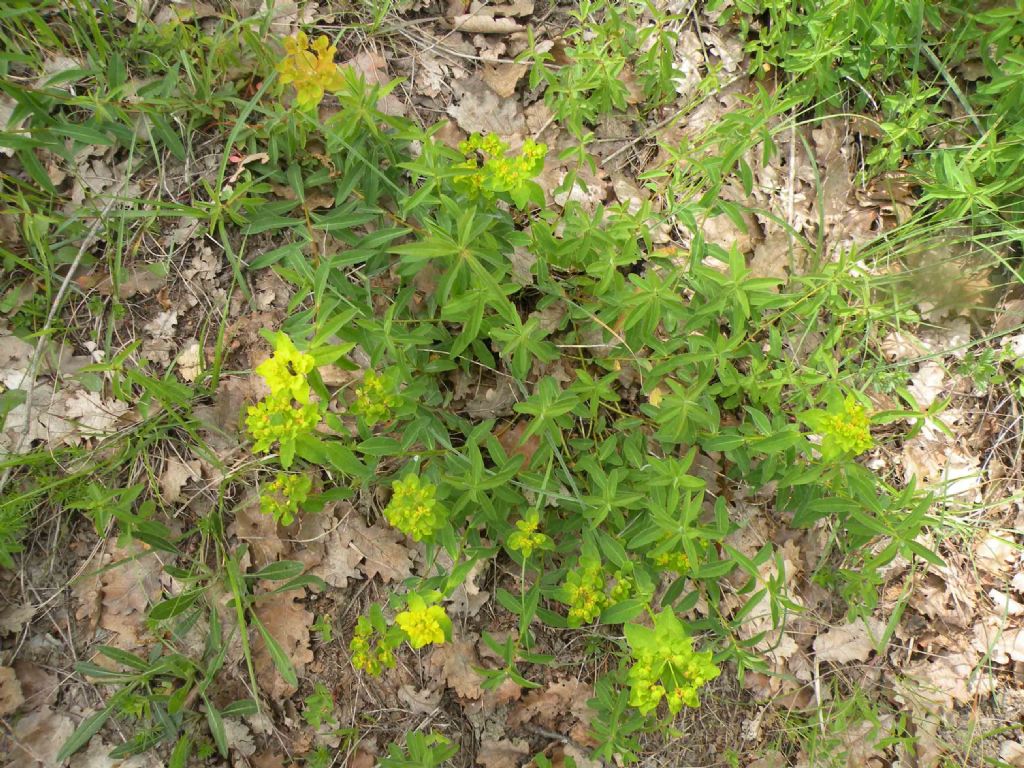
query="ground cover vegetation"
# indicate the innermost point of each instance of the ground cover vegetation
(428, 383)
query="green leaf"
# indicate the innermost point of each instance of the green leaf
(181, 752)
(174, 606)
(85, 731)
(280, 658)
(624, 611)
(240, 708)
(278, 571)
(124, 657)
(216, 723)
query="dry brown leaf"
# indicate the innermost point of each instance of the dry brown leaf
(431, 75)
(128, 588)
(287, 620)
(1005, 604)
(419, 702)
(855, 641)
(486, 400)
(775, 256)
(89, 594)
(923, 458)
(136, 280)
(340, 562)
(38, 686)
(502, 753)
(503, 77)
(944, 596)
(723, 231)
(363, 757)
(14, 617)
(233, 394)
(561, 754)
(467, 599)
(374, 69)
(941, 682)
(268, 760)
(507, 692)
(486, 25)
(176, 473)
(588, 189)
(860, 740)
(901, 345)
(7, 106)
(161, 326)
(454, 663)
(307, 544)
(10, 692)
(92, 415)
(1002, 643)
(777, 644)
(380, 548)
(996, 553)
(15, 360)
(1012, 753)
(480, 110)
(95, 755)
(491, 19)
(771, 759)
(239, 737)
(188, 361)
(259, 531)
(928, 383)
(61, 417)
(550, 706)
(38, 737)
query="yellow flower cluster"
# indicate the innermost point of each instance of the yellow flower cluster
(671, 561)
(310, 68)
(283, 496)
(286, 413)
(623, 587)
(584, 593)
(665, 665)
(500, 172)
(687, 672)
(277, 420)
(286, 371)
(527, 538)
(413, 508)
(375, 399)
(424, 624)
(370, 654)
(848, 431)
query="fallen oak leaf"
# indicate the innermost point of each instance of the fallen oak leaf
(380, 548)
(855, 641)
(38, 737)
(38, 686)
(259, 531)
(176, 473)
(942, 682)
(502, 753)
(241, 161)
(10, 692)
(502, 78)
(548, 707)
(340, 560)
(287, 621)
(455, 664)
(419, 702)
(136, 280)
